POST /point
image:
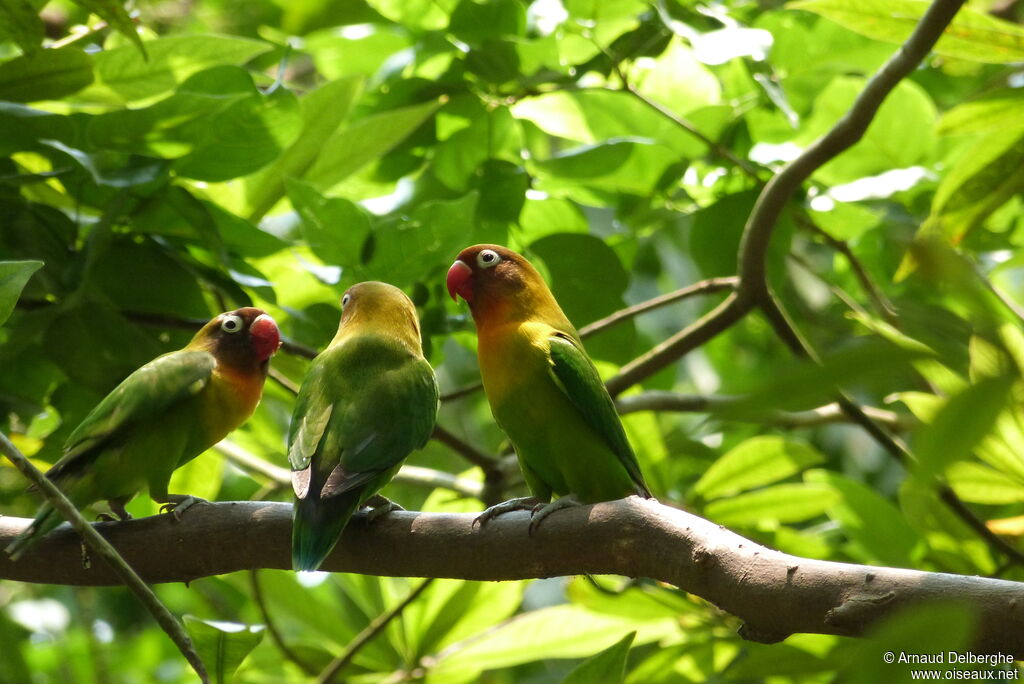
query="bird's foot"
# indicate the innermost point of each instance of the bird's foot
(118, 509)
(177, 504)
(379, 507)
(543, 511)
(524, 503)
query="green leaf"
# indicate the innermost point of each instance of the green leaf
(424, 15)
(244, 137)
(114, 13)
(607, 666)
(912, 629)
(45, 75)
(322, 111)
(13, 276)
(961, 424)
(900, 134)
(333, 227)
(981, 484)
(971, 35)
(756, 462)
(999, 111)
(630, 166)
(201, 477)
(407, 250)
(19, 20)
(222, 645)
(564, 631)
(122, 77)
(783, 503)
(988, 173)
(351, 148)
(873, 524)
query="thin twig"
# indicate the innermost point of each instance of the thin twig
(275, 635)
(408, 474)
(375, 627)
(462, 392)
(108, 553)
(708, 286)
(486, 462)
(655, 400)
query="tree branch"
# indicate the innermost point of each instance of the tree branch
(655, 400)
(366, 636)
(708, 286)
(775, 594)
(114, 563)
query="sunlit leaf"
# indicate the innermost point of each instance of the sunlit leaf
(13, 276)
(756, 462)
(222, 645)
(45, 75)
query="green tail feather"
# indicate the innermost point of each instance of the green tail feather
(46, 519)
(317, 525)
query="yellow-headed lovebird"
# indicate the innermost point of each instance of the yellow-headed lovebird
(368, 400)
(162, 416)
(543, 389)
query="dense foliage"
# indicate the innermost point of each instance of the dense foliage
(272, 154)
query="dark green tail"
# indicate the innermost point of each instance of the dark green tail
(46, 519)
(317, 524)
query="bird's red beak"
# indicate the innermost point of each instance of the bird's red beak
(266, 338)
(460, 281)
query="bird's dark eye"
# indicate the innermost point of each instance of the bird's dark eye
(231, 324)
(345, 300)
(487, 258)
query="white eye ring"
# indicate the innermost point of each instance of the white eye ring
(345, 300)
(231, 323)
(488, 258)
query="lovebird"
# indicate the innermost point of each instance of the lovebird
(544, 390)
(161, 417)
(368, 401)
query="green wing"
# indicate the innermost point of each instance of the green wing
(363, 408)
(576, 376)
(144, 394)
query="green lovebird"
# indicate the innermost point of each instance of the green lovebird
(161, 417)
(543, 389)
(369, 399)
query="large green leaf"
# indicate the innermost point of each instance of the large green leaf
(244, 137)
(13, 276)
(322, 111)
(406, 250)
(19, 21)
(367, 139)
(629, 165)
(564, 631)
(754, 463)
(988, 173)
(45, 75)
(333, 227)
(607, 666)
(121, 76)
(780, 503)
(873, 523)
(222, 645)
(114, 13)
(961, 424)
(971, 35)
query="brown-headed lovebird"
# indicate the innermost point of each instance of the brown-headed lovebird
(162, 416)
(543, 389)
(369, 399)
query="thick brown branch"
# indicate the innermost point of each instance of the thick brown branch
(774, 593)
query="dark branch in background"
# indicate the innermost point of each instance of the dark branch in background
(773, 593)
(408, 474)
(275, 635)
(655, 400)
(376, 626)
(709, 286)
(115, 564)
